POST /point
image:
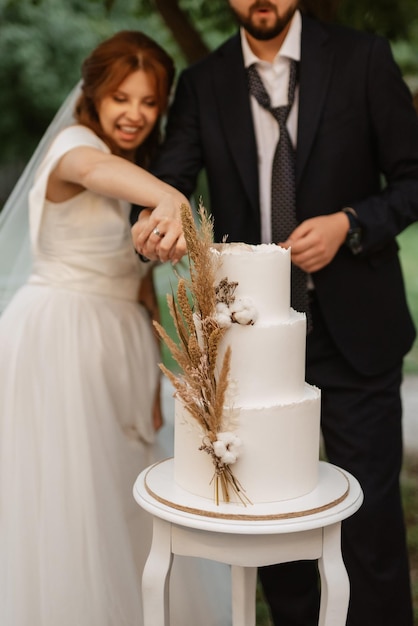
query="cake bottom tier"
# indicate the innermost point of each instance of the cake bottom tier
(278, 458)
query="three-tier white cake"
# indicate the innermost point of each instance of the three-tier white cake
(271, 415)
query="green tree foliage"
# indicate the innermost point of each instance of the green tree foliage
(395, 19)
(42, 45)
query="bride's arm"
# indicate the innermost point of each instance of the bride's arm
(115, 177)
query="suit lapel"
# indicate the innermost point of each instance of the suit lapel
(315, 72)
(231, 93)
(234, 109)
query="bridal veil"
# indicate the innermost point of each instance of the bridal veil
(15, 248)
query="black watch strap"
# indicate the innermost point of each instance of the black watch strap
(354, 235)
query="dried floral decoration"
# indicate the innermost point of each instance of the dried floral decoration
(230, 310)
(198, 334)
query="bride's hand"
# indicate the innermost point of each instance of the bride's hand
(158, 233)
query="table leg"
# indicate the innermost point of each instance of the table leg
(335, 586)
(244, 581)
(155, 579)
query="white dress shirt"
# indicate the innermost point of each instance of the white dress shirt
(275, 77)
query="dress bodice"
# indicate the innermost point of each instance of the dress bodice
(84, 243)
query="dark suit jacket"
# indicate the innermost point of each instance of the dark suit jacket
(356, 128)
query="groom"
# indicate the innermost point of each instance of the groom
(355, 136)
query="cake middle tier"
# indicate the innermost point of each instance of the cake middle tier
(267, 361)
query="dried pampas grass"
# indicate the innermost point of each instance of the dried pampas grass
(199, 386)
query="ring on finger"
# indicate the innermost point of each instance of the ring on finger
(157, 232)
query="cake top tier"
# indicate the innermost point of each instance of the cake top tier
(262, 276)
(247, 248)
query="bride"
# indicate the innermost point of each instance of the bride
(79, 392)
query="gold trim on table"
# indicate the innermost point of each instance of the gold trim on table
(221, 510)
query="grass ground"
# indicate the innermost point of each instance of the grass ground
(410, 499)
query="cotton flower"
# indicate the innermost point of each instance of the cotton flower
(223, 315)
(228, 458)
(226, 447)
(243, 311)
(229, 438)
(219, 448)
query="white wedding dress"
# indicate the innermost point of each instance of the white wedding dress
(78, 370)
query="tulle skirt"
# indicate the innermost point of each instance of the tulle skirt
(77, 379)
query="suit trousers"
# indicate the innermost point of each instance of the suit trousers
(361, 420)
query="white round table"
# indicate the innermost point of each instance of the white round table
(247, 537)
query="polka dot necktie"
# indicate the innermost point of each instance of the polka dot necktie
(283, 186)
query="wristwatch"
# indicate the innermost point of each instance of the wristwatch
(353, 239)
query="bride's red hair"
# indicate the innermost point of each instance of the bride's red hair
(107, 67)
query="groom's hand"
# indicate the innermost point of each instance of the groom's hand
(316, 241)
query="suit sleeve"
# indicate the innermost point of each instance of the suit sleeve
(394, 130)
(180, 159)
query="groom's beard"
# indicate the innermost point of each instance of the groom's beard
(260, 31)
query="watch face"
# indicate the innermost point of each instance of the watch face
(354, 240)
(354, 235)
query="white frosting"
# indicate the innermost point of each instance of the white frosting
(276, 415)
(263, 275)
(278, 458)
(267, 361)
